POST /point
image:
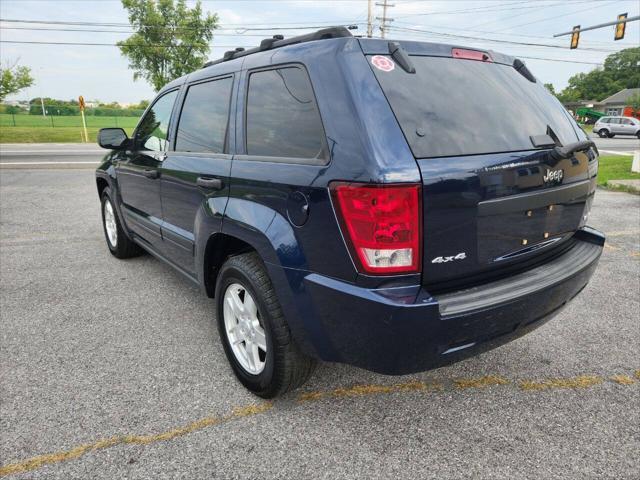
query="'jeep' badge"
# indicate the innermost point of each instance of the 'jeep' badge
(553, 176)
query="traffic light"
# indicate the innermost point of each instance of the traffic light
(620, 27)
(575, 37)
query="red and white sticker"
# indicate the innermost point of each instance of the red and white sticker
(383, 63)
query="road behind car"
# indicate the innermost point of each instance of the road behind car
(114, 369)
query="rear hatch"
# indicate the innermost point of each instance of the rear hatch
(499, 193)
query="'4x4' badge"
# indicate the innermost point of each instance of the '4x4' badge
(460, 256)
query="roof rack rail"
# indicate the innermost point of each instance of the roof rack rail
(279, 41)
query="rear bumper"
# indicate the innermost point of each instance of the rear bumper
(404, 330)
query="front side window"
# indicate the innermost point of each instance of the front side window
(282, 117)
(626, 121)
(204, 117)
(153, 129)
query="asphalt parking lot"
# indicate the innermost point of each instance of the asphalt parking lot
(113, 369)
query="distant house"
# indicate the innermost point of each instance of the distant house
(574, 106)
(616, 103)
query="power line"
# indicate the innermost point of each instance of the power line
(519, 35)
(96, 44)
(555, 16)
(491, 8)
(560, 60)
(46, 29)
(234, 46)
(494, 40)
(526, 13)
(226, 26)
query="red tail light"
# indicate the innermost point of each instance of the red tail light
(471, 55)
(381, 224)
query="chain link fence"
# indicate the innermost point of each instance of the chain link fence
(59, 121)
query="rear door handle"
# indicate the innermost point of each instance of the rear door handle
(149, 173)
(212, 183)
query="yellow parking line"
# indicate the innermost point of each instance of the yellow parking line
(41, 460)
(623, 379)
(362, 390)
(579, 382)
(583, 381)
(481, 382)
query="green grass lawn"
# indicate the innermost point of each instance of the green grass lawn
(49, 135)
(56, 129)
(615, 167)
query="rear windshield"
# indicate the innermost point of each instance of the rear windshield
(462, 107)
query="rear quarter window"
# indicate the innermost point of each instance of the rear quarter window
(282, 119)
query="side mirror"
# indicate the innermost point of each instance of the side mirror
(113, 138)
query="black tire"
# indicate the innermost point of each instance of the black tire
(611, 135)
(285, 366)
(638, 135)
(603, 134)
(123, 248)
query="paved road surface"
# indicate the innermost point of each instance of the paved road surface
(113, 369)
(84, 155)
(34, 155)
(616, 144)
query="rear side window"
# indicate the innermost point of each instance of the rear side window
(153, 129)
(205, 117)
(463, 107)
(282, 118)
(615, 121)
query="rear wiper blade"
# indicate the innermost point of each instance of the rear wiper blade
(561, 153)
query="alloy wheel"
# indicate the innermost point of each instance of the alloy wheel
(245, 333)
(110, 224)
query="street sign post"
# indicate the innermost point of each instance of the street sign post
(84, 123)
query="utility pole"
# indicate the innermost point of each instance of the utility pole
(44, 113)
(369, 18)
(384, 19)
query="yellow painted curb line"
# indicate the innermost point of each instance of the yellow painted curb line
(579, 382)
(41, 460)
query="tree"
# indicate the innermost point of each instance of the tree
(170, 39)
(620, 71)
(549, 86)
(142, 105)
(14, 78)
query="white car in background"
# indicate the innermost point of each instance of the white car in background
(612, 126)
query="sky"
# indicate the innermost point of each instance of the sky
(100, 72)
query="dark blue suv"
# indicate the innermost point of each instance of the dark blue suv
(391, 205)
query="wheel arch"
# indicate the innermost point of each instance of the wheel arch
(101, 183)
(218, 249)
